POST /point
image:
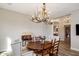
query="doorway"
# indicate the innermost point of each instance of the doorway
(67, 39)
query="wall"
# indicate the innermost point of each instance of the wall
(74, 37)
(64, 20)
(13, 24)
(61, 29)
(49, 32)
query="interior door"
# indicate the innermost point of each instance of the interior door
(67, 34)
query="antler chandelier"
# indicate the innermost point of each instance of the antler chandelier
(42, 16)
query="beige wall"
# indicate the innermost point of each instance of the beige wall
(13, 24)
(63, 21)
(74, 37)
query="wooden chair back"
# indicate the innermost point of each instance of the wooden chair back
(54, 48)
(26, 37)
(40, 52)
(43, 51)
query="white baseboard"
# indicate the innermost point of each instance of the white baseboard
(2, 50)
(74, 49)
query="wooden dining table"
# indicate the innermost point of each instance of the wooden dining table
(38, 45)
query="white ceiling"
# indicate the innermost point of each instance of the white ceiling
(54, 9)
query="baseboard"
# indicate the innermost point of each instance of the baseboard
(3, 50)
(74, 49)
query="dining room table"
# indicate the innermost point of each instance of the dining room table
(38, 45)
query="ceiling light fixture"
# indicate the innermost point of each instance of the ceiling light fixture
(42, 16)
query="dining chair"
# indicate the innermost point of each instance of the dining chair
(25, 38)
(43, 51)
(17, 50)
(54, 48)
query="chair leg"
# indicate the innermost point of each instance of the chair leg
(23, 43)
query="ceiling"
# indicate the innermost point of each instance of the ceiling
(54, 9)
